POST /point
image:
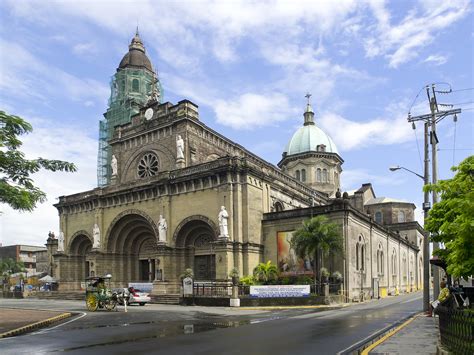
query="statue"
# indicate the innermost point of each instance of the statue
(179, 148)
(51, 235)
(113, 165)
(61, 241)
(162, 228)
(96, 236)
(223, 217)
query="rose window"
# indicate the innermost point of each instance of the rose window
(148, 166)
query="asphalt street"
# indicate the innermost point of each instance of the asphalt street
(210, 330)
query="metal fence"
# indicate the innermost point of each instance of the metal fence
(210, 289)
(456, 327)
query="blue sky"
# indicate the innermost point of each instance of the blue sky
(248, 65)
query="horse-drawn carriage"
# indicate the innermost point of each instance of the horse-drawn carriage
(99, 294)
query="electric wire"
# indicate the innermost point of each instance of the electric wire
(454, 140)
(466, 89)
(418, 148)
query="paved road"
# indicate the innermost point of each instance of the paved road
(205, 330)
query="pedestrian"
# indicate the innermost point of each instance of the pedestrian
(442, 297)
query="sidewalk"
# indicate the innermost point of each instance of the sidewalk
(419, 336)
(18, 321)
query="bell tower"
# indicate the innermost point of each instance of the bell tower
(133, 86)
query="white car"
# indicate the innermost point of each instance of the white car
(137, 296)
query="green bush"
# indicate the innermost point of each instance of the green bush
(248, 280)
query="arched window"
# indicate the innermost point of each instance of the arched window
(303, 175)
(318, 175)
(278, 206)
(336, 182)
(360, 254)
(380, 260)
(394, 263)
(135, 85)
(298, 175)
(401, 216)
(357, 256)
(404, 265)
(325, 176)
(378, 217)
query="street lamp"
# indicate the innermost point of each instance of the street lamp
(426, 249)
(394, 168)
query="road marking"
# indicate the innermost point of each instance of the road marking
(32, 326)
(386, 336)
(83, 314)
(415, 299)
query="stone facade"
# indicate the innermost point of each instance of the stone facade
(167, 165)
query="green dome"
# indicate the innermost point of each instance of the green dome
(307, 138)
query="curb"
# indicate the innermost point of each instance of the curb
(387, 335)
(36, 325)
(271, 308)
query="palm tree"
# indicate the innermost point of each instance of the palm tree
(10, 266)
(265, 272)
(316, 238)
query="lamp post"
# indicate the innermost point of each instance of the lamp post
(426, 249)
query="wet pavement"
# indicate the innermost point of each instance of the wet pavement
(212, 330)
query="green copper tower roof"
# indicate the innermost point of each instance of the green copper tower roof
(310, 138)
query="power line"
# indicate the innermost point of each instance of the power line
(466, 89)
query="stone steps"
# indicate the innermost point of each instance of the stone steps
(166, 299)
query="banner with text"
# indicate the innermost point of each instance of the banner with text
(280, 291)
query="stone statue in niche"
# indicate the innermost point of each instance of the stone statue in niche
(61, 241)
(223, 218)
(162, 228)
(179, 148)
(113, 165)
(96, 236)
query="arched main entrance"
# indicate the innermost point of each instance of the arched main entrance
(131, 245)
(196, 235)
(79, 249)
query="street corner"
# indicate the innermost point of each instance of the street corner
(14, 321)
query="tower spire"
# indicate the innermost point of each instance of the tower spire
(309, 113)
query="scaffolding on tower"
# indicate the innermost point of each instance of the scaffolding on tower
(131, 89)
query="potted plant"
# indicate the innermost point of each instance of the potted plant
(337, 276)
(324, 275)
(234, 274)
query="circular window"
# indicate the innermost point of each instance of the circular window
(148, 165)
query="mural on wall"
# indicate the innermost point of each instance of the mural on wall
(288, 263)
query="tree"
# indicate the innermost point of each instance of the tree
(8, 267)
(265, 272)
(316, 238)
(452, 220)
(16, 186)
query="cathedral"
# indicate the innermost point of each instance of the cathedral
(175, 194)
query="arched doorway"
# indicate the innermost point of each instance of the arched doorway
(131, 245)
(79, 249)
(196, 235)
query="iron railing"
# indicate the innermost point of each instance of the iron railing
(211, 289)
(456, 327)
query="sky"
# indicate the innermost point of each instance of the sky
(248, 66)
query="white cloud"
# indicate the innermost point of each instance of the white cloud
(87, 48)
(436, 59)
(253, 110)
(351, 135)
(22, 74)
(402, 42)
(51, 142)
(353, 179)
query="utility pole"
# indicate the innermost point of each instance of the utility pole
(430, 120)
(434, 157)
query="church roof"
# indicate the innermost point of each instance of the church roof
(310, 138)
(377, 200)
(136, 56)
